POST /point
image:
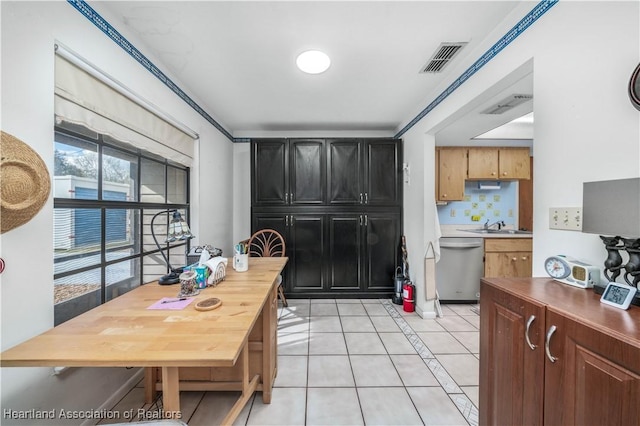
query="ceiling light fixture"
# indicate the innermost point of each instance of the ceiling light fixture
(313, 62)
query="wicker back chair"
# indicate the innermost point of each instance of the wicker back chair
(269, 243)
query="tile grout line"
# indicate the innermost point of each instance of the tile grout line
(455, 393)
(462, 402)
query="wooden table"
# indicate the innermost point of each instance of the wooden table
(124, 333)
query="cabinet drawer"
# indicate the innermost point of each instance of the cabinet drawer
(507, 244)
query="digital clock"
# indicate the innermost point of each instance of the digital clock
(618, 295)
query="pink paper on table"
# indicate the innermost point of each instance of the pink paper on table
(171, 303)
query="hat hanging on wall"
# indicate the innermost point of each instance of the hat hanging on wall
(24, 182)
(634, 88)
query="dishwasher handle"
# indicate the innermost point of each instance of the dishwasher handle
(465, 244)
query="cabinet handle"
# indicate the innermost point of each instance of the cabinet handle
(286, 220)
(293, 220)
(530, 321)
(286, 198)
(524, 257)
(366, 198)
(360, 220)
(361, 198)
(504, 173)
(366, 219)
(547, 341)
(493, 173)
(513, 259)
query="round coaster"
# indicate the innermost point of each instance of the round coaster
(208, 304)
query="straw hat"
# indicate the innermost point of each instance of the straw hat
(24, 181)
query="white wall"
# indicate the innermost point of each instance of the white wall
(29, 31)
(586, 128)
(242, 191)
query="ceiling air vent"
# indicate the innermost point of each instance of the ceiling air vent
(507, 103)
(445, 53)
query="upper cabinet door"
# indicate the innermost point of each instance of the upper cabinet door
(269, 172)
(515, 163)
(451, 171)
(307, 172)
(344, 172)
(483, 163)
(383, 172)
(287, 172)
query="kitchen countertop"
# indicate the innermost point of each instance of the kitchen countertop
(457, 231)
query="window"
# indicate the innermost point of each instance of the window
(105, 194)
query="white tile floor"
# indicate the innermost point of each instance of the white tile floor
(359, 361)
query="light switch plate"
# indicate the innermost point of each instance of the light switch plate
(566, 218)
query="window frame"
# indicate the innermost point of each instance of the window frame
(138, 231)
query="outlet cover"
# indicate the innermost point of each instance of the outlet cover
(566, 218)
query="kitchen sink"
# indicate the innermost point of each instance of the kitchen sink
(496, 231)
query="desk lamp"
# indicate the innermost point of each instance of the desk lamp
(178, 230)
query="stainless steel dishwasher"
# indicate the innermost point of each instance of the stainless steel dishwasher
(459, 269)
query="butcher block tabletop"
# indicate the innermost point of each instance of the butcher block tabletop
(124, 332)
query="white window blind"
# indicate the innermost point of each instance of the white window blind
(83, 98)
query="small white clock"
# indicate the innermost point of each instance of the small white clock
(618, 295)
(568, 270)
(557, 267)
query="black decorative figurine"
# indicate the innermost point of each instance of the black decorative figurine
(632, 267)
(613, 264)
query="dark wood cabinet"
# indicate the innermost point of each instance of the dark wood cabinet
(364, 172)
(345, 172)
(510, 370)
(381, 243)
(269, 180)
(596, 376)
(288, 172)
(383, 172)
(306, 255)
(362, 251)
(338, 204)
(304, 235)
(345, 245)
(553, 354)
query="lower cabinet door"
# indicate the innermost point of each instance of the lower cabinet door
(508, 264)
(511, 371)
(345, 251)
(585, 387)
(382, 239)
(307, 253)
(352, 252)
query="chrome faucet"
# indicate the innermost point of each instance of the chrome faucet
(499, 224)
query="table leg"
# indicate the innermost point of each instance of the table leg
(269, 319)
(150, 380)
(170, 392)
(248, 387)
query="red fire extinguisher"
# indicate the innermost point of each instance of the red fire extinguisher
(408, 296)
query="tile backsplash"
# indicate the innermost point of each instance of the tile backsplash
(482, 204)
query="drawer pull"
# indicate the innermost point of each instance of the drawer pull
(524, 257)
(530, 321)
(552, 330)
(513, 259)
